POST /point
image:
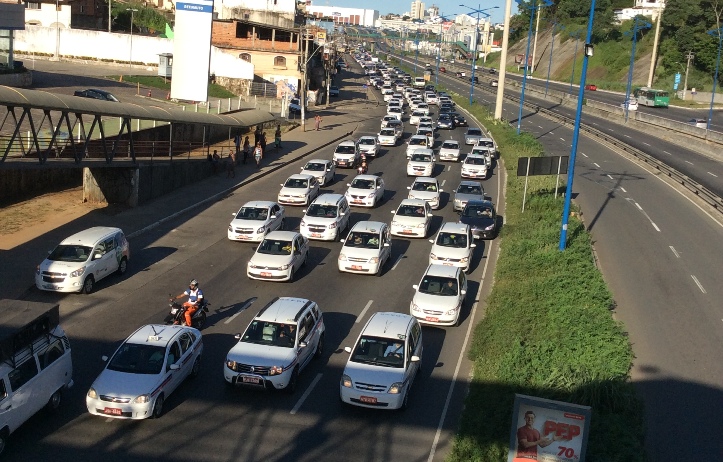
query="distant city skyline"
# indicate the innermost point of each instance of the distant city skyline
(446, 7)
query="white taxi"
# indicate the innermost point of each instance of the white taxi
(439, 296)
(427, 189)
(323, 170)
(474, 166)
(298, 190)
(453, 246)
(387, 137)
(416, 142)
(278, 257)
(449, 150)
(368, 145)
(421, 163)
(365, 191)
(255, 219)
(414, 118)
(412, 218)
(366, 249)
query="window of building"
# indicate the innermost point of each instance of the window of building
(279, 61)
(33, 6)
(245, 57)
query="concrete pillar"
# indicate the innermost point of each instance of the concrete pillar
(112, 185)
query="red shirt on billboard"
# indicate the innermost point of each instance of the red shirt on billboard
(528, 438)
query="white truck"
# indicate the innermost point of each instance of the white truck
(35, 363)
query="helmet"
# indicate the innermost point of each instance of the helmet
(193, 283)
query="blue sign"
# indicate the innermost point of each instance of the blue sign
(677, 78)
(675, 85)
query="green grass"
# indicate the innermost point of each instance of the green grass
(214, 90)
(548, 330)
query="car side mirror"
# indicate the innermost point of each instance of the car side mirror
(303, 211)
(415, 359)
(431, 240)
(347, 349)
(415, 286)
(342, 240)
(237, 336)
(233, 214)
(104, 358)
(393, 211)
(379, 186)
(97, 255)
(409, 188)
(386, 244)
(472, 246)
(441, 190)
(281, 184)
(430, 215)
(303, 344)
(328, 169)
(342, 214)
(174, 367)
(463, 292)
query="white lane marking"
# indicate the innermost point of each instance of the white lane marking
(623, 189)
(655, 226)
(443, 181)
(667, 153)
(596, 164)
(689, 162)
(241, 310)
(583, 154)
(306, 393)
(648, 217)
(363, 312)
(710, 173)
(108, 420)
(539, 126)
(675, 252)
(397, 262)
(594, 123)
(449, 167)
(697, 282)
(627, 136)
(638, 206)
(611, 177)
(563, 139)
(646, 144)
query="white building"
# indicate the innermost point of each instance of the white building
(648, 8)
(341, 15)
(417, 10)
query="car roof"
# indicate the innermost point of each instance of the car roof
(442, 271)
(366, 177)
(282, 235)
(417, 202)
(454, 227)
(451, 141)
(387, 324)
(367, 137)
(283, 309)
(470, 183)
(418, 137)
(328, 199)
(324, 161)
(478, 203)
(425, 179)
(156, 334)
(347, 143)
(474, 129)
(90, 235)
(475, 156)
(423, 151)
(368, 226)
(300, 176)
(259, 204)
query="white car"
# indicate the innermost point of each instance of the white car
(323, 170)
(394, 103)
(427, 189)
(425, 128)
(388, 93)
(398, 127)
(278, 257)
(387, 137)
(255, 219)
(428, 121)
(414, 104)
(326, 218)
(383, 363)
(631, 104)
(143, 372)
(366, 249)
(386, 119)
(431, 98)
(347, 154)
(449, 150)
(428, 132)
(396, 112)
(489, 143)
(423, 107)
(484, 151)
(368, 145)
(412, 218)
(421, 163)
(453, 246)
(298, 190)
(474, 166)
(416, 142)
(414, 118)
(365, 191)
(277, 345)
(439, 296)
(468, 191)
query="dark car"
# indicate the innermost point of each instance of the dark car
(445, 121)
(447, 106)
(429, 88)
(445, 110)
(459, 74)
(333, 91)
(96, 94)
(494, 82)
(481, 218)
(459, 119)
(474, 79)
(492, 70)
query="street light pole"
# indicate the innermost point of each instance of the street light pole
(503, 62)
(57, 32)
(689, 56)
(552, 48)
(574, 58)
(130, 58)
(478, 11)
(719, 33)
(655, 46)
(527, 58)
(534, 47)
(645, 25)
(109, 17)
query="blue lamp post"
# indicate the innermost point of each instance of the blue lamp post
(416, 52)
(478, 11)
(557, 26)
(532, 9)
(719, 33)
(636, 27)
(576, 36)
(439, 49)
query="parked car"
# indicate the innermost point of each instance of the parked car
(294, 105)
(700, 123)
(591, 87)
(632, 105)
(94, 93)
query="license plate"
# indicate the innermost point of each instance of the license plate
(406, 231)
(112, 411)
(265, 274)
(174, 310)
(430, 319)
(51, 286)
(244, 236)
(368, 399)
(447, 264)
(255, 380)
(357, 202)
(315, 234)
(356, 267)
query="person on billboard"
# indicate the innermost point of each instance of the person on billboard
(528, 438)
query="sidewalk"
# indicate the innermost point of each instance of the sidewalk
(340, 120)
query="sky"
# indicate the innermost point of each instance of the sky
(446, 7)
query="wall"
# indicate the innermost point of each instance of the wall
(19, 184)
(46, 16)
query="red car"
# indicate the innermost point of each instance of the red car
(442, 69)
(590, 87)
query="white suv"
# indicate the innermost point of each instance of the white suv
(326, 218)
(346, 154)
(280, 342)
(383, 363)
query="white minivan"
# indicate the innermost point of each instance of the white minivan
(83, 259)
(35, 363)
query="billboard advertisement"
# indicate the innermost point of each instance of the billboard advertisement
(548, 431)
(192, 50)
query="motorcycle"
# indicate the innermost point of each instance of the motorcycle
(362, 169)
(177, 314)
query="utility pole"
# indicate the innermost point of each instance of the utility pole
(655, 46)
(303, 79)
(503, 61)
(534, 47)
(689, 56)
(109, 18)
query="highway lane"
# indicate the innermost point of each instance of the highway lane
(251, 425)
(660, 255)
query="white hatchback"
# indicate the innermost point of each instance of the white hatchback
(323, 170)
(453, 246)
(278, 257)
(427, 189)
(421, 163)
(326, 218)
(474, 166)
(412, 218)
(365, 190)
(449, 150)
(439, 296)
(255, 219)
(298, 190)
(383, 362)
(366, 249)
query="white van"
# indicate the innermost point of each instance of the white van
(419, 82)
(35, 363)
(83, 259)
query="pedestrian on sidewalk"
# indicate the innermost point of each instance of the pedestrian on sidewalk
(231, 164)
(257, 134)
(263, 141)
(317, 121)
(277, 136)
(258, 154)
(247, 149)
(237, 143)
(215, 161)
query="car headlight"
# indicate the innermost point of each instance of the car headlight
(37, 269)
(276, 370)
(422, 225)
(374, 260)
(261, 230)
(453, 311)
(92, 393)
(411, 196)
(231, 364)
(332, 226)
(395, 388)
(415, 307)
(342, 257)
(490, 227)
(78, 272)
(371, 195)
(346, 381)
(230, 228)
(464, 260)
(285, 267)
(433, 256)
(142, 399)
(303, 223)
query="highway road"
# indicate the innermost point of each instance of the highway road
(205, 419)
(660, 254)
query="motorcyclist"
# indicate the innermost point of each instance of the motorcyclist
(195, 299)
(363, 168)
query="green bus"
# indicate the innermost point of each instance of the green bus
(651, 97)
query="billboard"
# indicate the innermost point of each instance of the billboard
(548, 431)
(192, 50)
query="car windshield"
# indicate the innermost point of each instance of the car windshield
(444, 118)
(252, 213)
(270, 333)
(342, 149)
(362, 240)
(474, 161)
(417, 141)
(411, 211)
(456, 240)
(424, 186)
(486, 143)
(395, 109)
(135, 358)
(317, 210)
(417, 114)
(274, 247)
(70, 253)
(474, 132)
(469, 189)
(387, 132)
(360, 183)
(448, 145)
(421, 158)
(379, 351)
(367, 141)
(438, 285)
(315, 167)
(477, 211)
(296, 183)
(424, 131)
